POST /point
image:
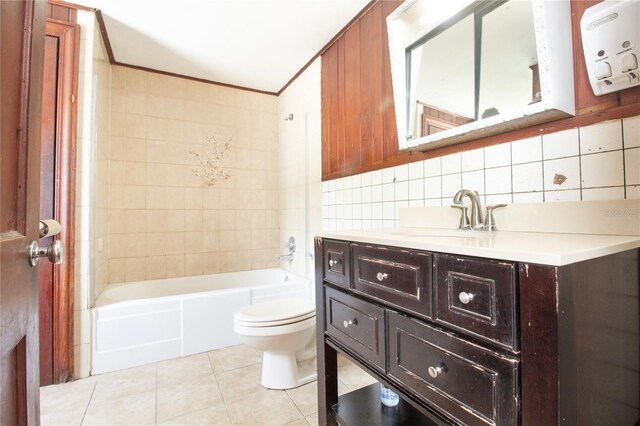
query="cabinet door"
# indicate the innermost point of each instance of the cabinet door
(357, 325)
(399, 277)
(470, 384)
(477, 297)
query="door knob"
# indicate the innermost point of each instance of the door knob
(55, 253)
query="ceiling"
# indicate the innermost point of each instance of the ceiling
(258, 44)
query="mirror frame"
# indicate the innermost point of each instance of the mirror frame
(552, 20)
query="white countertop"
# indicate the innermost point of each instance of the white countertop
(543, 248)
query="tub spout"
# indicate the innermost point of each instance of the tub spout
(287, 257)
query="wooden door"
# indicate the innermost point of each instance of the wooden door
(57, 198)
(22, 25)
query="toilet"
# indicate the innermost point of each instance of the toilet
(284, 330)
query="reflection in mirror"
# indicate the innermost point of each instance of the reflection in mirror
(509, 77)
(468, 69)
(481, 66)
(441, 86)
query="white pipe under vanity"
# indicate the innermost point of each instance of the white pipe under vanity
(141, 322)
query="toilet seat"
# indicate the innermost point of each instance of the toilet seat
(275, 312)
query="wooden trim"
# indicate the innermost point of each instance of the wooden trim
(329, 44)
(113, 61)
(406, 157)
(105, 36)
(71, 5)
(66, 129)
(201, 80)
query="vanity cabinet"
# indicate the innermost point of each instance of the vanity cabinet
(478, 341)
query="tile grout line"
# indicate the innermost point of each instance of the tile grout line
(89, 402)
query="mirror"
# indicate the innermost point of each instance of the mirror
(475, 69)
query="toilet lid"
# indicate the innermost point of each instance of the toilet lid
(281, 310)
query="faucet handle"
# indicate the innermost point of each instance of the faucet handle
(489, 220)
(464, 218)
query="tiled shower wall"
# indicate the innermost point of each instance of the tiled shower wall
(92, 184)
(163, 220)
(300, 137)
(597, 162)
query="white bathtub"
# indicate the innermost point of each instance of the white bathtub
(142, 322)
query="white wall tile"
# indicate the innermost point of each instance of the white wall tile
(632, 166)
(389, 210)
(528, 197)
(507, 173)
(451, 184)
(388, 175)
(433, 167)
(376, 193)
(498, 199)
(366, 179)
(560, 144)
(401, 172)
(473, 160)
(474, 181)
(527, 177)
(604, 136)
(631, 131)
(416, 170)
(527, 150)
(416, 189)
(433, 187)
(451, 164)
(633, 192)
(570, 195)
(497, 155)
(562, 174)
(498, 180)
(376, 211)
(603, 169)
(388, 192)
(611, 193)
(401, 190)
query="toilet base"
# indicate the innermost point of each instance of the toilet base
(284, 370)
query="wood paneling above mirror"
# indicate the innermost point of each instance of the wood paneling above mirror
(357, 95)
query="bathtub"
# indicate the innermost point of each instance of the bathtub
(141, 322)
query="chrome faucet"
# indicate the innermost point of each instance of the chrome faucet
(291, 245)
(476, 223)
(476, 207)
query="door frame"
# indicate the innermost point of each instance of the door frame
(68, 35)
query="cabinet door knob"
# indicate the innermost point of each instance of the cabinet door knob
(382, 276)
(465, 297)
(333, 263)
(434, 371)
(350, 322)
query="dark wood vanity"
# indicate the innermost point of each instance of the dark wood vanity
(467, 340)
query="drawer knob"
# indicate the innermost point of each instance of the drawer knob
(434, 371)
(333, 263)
(350, 322)
(382, 276)
(465, 297)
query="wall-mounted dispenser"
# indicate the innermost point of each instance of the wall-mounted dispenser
(611, 42)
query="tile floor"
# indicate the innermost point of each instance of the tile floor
(221, 387)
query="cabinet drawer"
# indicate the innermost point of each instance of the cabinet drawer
(477, 297)
(337, 263)
(399, 277)
(357, 324)
(471, 384)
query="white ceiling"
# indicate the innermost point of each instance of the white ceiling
(259, 44)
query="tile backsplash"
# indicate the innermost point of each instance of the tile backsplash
(597, 162)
